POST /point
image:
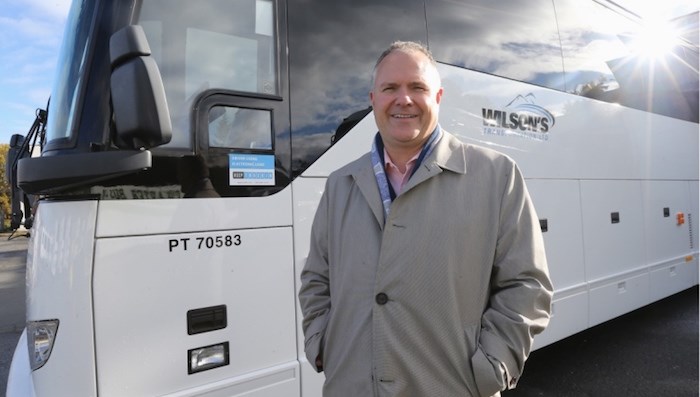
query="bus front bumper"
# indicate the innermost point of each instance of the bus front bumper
(19, 381)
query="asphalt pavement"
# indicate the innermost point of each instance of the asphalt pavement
(8, 341)
(651, 352)
(13, 259)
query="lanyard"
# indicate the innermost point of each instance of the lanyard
(377, 154)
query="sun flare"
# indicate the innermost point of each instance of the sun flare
(655, 39)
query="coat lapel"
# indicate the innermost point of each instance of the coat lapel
(367, 183)
(447, 155)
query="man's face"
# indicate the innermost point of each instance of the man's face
(405, 98)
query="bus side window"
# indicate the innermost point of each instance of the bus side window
(608, 57)
(590, 42)
(513, 39)
(240, 128)
(332, 54)
(210, 45)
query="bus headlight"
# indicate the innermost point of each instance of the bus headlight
(40, 338)
(209, 357)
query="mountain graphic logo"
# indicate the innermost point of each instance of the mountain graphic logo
(521, 116)
(526, 104)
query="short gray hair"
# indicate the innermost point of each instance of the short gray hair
(404, 46)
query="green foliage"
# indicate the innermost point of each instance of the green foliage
(5, 205)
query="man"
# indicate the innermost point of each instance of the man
(426, 274)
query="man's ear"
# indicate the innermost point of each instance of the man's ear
(438, 95)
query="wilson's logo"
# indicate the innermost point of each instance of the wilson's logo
(522, 116)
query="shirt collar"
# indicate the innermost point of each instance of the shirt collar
(409, 165)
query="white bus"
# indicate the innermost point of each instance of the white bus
(187, 145)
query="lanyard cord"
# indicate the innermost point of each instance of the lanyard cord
(386, 191)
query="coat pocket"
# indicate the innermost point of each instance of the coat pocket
(471, 335)
(485, 378)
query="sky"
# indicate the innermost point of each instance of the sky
(30, 38)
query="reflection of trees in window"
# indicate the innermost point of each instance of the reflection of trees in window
(219, 127)
(602, 61)
(603, 88)
(231, 127)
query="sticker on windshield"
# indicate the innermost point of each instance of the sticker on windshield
(251, 169)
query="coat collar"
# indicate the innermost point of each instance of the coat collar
(447, 155)
(450, 154)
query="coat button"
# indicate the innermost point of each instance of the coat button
(381, 298)
(513, 383)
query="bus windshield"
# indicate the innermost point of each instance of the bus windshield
(72, 67)
(209, 45)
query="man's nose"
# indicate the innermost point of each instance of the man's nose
(404, 97)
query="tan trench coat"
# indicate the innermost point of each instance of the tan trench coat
(441, 300)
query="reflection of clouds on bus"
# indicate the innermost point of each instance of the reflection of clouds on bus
(332, 60)
(337, 84)
(588, 44)
(534, 58)
(309, 146)
(588, 51)
(334, 81)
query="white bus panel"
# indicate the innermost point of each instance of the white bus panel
(144, 287)
(62, 236)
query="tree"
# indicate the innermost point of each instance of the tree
(5, 192)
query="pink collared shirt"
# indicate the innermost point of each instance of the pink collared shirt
(397, 178)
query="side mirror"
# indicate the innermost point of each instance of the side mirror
(140, 109)
(14, 153)
(16, 140)
(18, 198)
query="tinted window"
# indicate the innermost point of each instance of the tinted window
(72, 68)
(239, 128)
(209, 45)
(225, 81)
(333, 47)
(509, 38)
(614, 58)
